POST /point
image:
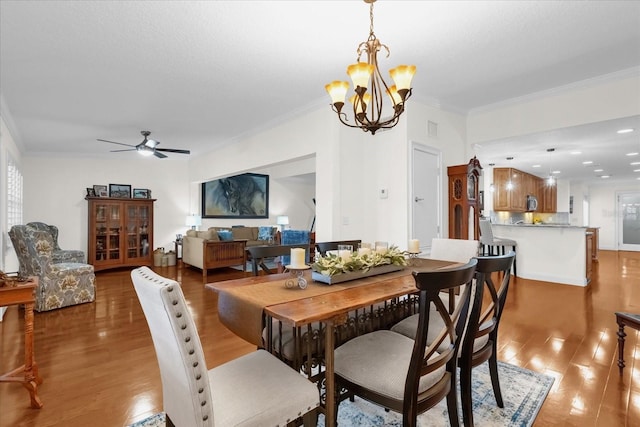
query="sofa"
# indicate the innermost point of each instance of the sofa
(220, 247)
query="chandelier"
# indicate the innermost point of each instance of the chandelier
(368, 85)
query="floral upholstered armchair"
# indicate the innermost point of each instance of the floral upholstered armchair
(58, 255)
(60, 284)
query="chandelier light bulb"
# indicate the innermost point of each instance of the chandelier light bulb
(337, 91)
(360, 74)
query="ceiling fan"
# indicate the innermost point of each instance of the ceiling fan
(147, 147)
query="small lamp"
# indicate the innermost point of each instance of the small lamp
(194, 221)
(282, 221)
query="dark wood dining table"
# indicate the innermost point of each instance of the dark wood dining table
(245, 304)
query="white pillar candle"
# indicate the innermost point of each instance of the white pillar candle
(345, 255)
(381, 247)
(297, 258)
(364, 251)
(414, 246)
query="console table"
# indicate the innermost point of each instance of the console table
(625, 319)
(23, 293)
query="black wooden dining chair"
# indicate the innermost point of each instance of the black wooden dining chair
(260, 253)
(411, 376)
(481, 333)
(480, 342)
(323, 247)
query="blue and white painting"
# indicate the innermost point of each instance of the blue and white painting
(240, 196)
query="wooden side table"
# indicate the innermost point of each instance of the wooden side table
(27, 374)
(625, 319)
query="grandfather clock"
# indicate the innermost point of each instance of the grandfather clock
(464, 206)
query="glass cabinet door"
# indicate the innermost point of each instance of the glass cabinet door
(138, 229)
(107, 223)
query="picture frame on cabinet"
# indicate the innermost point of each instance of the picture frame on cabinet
(91, 192)
(100, 191)
(141, 193)
(121, 191)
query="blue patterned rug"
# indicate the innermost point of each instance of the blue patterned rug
(523, 392)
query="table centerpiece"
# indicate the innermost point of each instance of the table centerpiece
(334, 268)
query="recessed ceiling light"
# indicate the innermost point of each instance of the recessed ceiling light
(634, 163)
(535, 166)
(629, 130)
(636, 170)
(598, 170)
(576, 152)
(605, 176)
(556, 172)
(632, 154)
(588, 162)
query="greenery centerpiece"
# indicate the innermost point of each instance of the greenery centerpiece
(333, 264)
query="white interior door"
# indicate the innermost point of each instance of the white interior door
(629, 221)
(426, 200)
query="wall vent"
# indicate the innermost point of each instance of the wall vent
(432, 129)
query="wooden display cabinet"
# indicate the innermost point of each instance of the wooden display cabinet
(120, 232)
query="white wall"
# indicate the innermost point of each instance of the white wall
(55, 189)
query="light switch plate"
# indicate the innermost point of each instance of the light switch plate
(384, 193)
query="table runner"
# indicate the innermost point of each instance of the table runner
(241, 302)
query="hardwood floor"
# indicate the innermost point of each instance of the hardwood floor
(99, 366)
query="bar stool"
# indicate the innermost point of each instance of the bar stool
(489, 242)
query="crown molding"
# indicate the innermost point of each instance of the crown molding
(580, 84)
(7, 117)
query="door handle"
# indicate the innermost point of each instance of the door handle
(418, 199)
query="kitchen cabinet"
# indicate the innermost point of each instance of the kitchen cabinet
(120, 232)
(509, 190)
(549, 198)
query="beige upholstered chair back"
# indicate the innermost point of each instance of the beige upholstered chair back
(454, 249)
(186, 392)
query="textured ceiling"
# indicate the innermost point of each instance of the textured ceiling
(199, 74)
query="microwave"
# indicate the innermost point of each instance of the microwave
(532, 203)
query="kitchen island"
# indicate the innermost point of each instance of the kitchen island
(550, 252)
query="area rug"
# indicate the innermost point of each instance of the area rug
(523, 392)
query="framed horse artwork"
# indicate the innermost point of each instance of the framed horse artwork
(239, 196)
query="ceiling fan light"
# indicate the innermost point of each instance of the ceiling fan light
(402, 76)
(146, 153)
(151, 143)
(360, 74)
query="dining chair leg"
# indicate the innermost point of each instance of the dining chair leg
(465, 395)
(495, 381)
(452, 402)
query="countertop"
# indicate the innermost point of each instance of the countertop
(542, 225)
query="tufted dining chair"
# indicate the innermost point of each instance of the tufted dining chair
(253, 390)
(406, 375)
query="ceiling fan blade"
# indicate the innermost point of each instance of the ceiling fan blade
(128, 149)
(159, 155)
(113, 142)
(174, 150)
